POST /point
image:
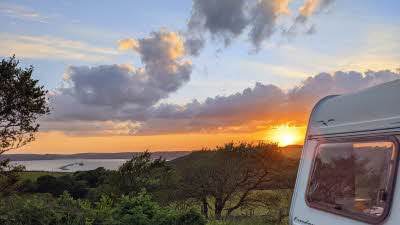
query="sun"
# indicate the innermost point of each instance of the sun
(286, 139)
(286, 135)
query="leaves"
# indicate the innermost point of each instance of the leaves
(22, 102)
(9, 176)
(229, 173)
(139, 210)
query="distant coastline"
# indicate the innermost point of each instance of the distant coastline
(167, 155)
(120, 155)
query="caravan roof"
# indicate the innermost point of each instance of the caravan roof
(372, 110)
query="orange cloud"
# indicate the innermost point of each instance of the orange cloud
(128, 43)
(309, 7)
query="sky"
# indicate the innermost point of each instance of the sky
(185, 75)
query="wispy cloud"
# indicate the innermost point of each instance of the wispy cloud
(22, 13)
(49, 47)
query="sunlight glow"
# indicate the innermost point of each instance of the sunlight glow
(286, 135)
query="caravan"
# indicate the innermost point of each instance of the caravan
(348, 169)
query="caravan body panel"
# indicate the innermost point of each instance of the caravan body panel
(372, 113)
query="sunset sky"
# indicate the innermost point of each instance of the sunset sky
(182, 75)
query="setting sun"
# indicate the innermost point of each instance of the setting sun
(287, 135)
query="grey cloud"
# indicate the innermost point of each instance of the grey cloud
(165, 70)
(224, 19)
(263, 20)
(255, 108)
(264, 105)
(323, 84)
(110, 92)
(194, 44)
(228, 19)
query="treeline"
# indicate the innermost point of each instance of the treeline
(228, 182)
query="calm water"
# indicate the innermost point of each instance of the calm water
(75, 164)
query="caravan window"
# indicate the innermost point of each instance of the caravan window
(353, 179)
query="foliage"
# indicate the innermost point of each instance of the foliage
(55, 186)
(234, 172)
(26, 211)
(192, 217)
(229, 173)
(276, 203)
(93, 178)
(9, 176)
(33, 175)
(141, 173)
(22, 101)
(140, 211)
(65, 210)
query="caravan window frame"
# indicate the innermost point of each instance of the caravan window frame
(390, 189)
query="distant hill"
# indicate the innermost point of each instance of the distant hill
(120, 155)
(291, 151)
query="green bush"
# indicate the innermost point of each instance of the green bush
(141, 210)
(56, 186)
(45, 210)
(26, 211)
(191, 218)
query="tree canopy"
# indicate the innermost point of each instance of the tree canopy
(229, 173)
(22, 102)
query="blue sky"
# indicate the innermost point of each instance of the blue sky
(345, 33)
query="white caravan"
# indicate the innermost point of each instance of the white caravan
(348, 169)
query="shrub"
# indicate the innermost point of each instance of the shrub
(141, 210)
(57, 185)
(191, 218)
(45, 210)
(26, 211)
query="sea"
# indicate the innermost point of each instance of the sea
(70, 165)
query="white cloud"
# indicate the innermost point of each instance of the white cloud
(49, 47)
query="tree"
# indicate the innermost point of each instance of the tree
(229, 173)
(22, 102)
(141, 172)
